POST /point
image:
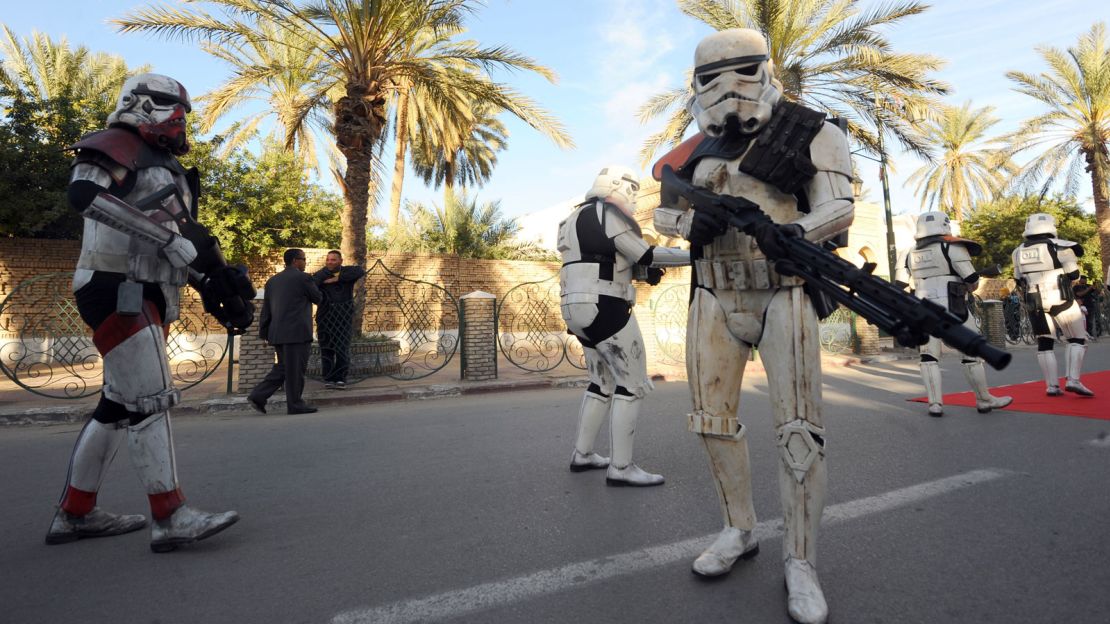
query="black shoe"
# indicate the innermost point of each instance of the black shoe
(340, 385)
(304, 409)
(257, 404)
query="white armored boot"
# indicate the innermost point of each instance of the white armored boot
(805, 600)
(590, 418)
(622, 432)
(77, 515)
(930, 377)
(729, 463)
(1047, 360)
(1075, 369)
(977, 379)
(802, 484)
(175, 524)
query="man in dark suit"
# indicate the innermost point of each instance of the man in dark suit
(286, 323)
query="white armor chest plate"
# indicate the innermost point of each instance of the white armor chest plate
(579, 280)
(724, 177)
(1036, 265)
(106, 249)
(931, 273)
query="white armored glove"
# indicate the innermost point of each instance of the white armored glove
(179, 251)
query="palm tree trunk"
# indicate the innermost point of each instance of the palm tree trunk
(359, 121)
(399, 161)
(1099, 166)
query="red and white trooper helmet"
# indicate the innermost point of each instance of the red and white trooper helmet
(155, 105)
(733, 79)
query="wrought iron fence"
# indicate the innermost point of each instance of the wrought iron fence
(409, 330)
(48, 349)
(531, 333)
(837, 330)
(670, 307)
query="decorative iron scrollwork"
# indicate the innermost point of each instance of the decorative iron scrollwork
(48, 349)
(409, 329)
(671, 308)
(531, 332)
(835, 331)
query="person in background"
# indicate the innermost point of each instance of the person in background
(286, 323)
(334, 315)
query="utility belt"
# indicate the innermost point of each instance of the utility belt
(579, 282)
(756, 274)
(586, 291)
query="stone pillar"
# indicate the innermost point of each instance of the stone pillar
(993, 323)
(256, 356)
(479, 336)
(865, 336)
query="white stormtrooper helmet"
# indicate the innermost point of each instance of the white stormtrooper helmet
(733, 79)
(155, 105)
(932, 224)
(1039, 223)
(618, 185)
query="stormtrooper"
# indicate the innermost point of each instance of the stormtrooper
(141, 244)
(603, 250)
(939, 269)
(796, 166)
(1045, 267)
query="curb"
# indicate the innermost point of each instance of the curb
(76, 414)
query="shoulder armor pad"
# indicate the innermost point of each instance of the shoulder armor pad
(121, 146)
(677, 157)
(973, 248)
(829, 150)
(614, 221)
(1075, 247)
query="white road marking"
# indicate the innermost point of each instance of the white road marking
(500, 593)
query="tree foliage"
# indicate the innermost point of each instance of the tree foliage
(254, 204)
(999, 224)
(35, 166)
(50, 95)
(1071, 138)
(968, 168)
(464, 227)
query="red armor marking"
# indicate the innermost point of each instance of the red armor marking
(117, 328)
(162, 505)
(122, 146)
(677, 157)
(78, 502)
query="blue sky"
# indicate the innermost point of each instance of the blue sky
(611, 55)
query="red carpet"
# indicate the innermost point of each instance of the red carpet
(1030, 397)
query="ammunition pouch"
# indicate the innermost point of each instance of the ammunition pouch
(957, 300)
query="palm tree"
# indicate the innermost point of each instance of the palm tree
(966, 171)
(48, 70)
(829, 56)
(462, 152)
(1072, 136)
(280, 68)
(465, 228)
(365, 52)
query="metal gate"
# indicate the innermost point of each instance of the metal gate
(48, 350)
(531, 333)
(409, 329)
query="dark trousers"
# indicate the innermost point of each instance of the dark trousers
(292, 361)
(333, 330)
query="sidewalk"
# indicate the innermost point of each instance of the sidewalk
(19, 406)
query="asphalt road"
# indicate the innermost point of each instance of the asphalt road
(462, 510)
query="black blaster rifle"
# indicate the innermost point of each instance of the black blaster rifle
(908, 319)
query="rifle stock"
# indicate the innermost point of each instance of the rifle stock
(908, 319)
